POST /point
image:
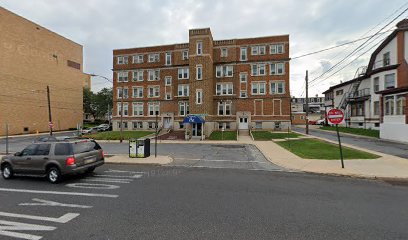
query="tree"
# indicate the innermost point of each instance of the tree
(88, 102)
(103, 102)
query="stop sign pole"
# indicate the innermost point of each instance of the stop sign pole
(336, 116)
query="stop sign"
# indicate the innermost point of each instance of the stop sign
(335, 116)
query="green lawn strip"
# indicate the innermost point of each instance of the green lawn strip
(357, 131)
(227, 135)
(265, 135)
(318, 149)
(115, 135)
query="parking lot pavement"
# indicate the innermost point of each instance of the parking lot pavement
(32, 208)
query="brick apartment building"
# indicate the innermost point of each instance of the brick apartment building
(32, 57)
(231, 84)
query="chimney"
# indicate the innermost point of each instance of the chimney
(402, 24)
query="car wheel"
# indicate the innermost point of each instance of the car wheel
(7, 172)
(54, 175)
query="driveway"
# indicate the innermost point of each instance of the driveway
(379, 145)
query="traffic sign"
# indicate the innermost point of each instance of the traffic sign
(335, 116)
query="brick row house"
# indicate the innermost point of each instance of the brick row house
(377, 97)
(231, 84)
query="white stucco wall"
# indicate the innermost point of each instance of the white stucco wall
(394, 131)
(390, 47)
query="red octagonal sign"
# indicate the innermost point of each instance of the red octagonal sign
(335, 116)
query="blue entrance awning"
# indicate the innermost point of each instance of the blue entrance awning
(193, 119)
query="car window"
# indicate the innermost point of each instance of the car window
(29, 150)
(62, 149)
(43, 149)
(81, 147)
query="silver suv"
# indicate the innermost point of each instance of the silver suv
(54, 159)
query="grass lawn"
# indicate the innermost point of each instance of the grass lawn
(227, 135)
(357, 131)
(265, 135)
(317, 149)
(115, 135)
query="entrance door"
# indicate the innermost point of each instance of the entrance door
(167, 122)
(243, 123)
(197, 129)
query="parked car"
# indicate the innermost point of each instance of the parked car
(312, 122)
(90, 130)
(54, 159)
(320, 122)
(104, 127)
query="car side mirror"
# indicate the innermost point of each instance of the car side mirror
(17, 154)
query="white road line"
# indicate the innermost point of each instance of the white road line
(41, 202)
(218, 160)
(121, 171)
(6, 226)
(118, 176)
(253, 169)
(63, 219)
(60, 193)
(107, 180)
(93, 186)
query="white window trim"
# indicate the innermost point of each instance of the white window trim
(199, 96)
(276, 82)
(199, 66)
(183, 87)
(137, 95)
(184, 71)
(154, 105)
(137, 104)
(243, 74)
(138, 73)
(224, 71)
(224, 52)
(126, 73)
(199, 48)
(224, 108)
(258, 83)
(227, 86)
(184, 55)
(276, 68)
(154, 91)
(275, 46)
(167, 78)
(241, 55)
(168, 54)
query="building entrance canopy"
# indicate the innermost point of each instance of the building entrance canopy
(193, 119)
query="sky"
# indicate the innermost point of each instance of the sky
(103, 25)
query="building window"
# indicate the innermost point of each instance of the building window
(125, 125)
(138, 59)
(122, 76)
(199, 72)
(224, 108)
(185, 55)
(243, 77)
(386, 59)
(168, 58)
(138, 75)
(124, 93)
(199, 96)
(137, 92)
(258, 50)
(153, 75)
(154, 108)
(243, 54)
(125, 109)
(258, 125)
(277, 68)
(224, 52)
(123, 60)
(138, 109)
(258, 69)
(154, 57)
(167, 80)
(401, 104)
(168, 96)
(243, 94)
(181, 125)
(339, 92)
(224, 125)
(184, 108)
(224, 71)
(277, 87)
(389, 105)
(183, 90)
(376, 108)
(153, 91)
(376, 84)
(258, 88)
(277, 49)
(137, 125)
(389, 81)
(199, 48)
(151, 125)
(224, 89)
(183, 73)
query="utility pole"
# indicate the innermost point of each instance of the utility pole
(121, 115)
(307, 102)
(155, 139)
(49, 110)
(109, 119)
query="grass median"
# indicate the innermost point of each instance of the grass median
(357, 131)
(318, 149)
(266, 136)
(227, 135)
(115, 135)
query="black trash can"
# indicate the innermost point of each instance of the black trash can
(139, 148)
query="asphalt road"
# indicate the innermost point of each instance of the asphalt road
(379, 145)
(140, 202)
